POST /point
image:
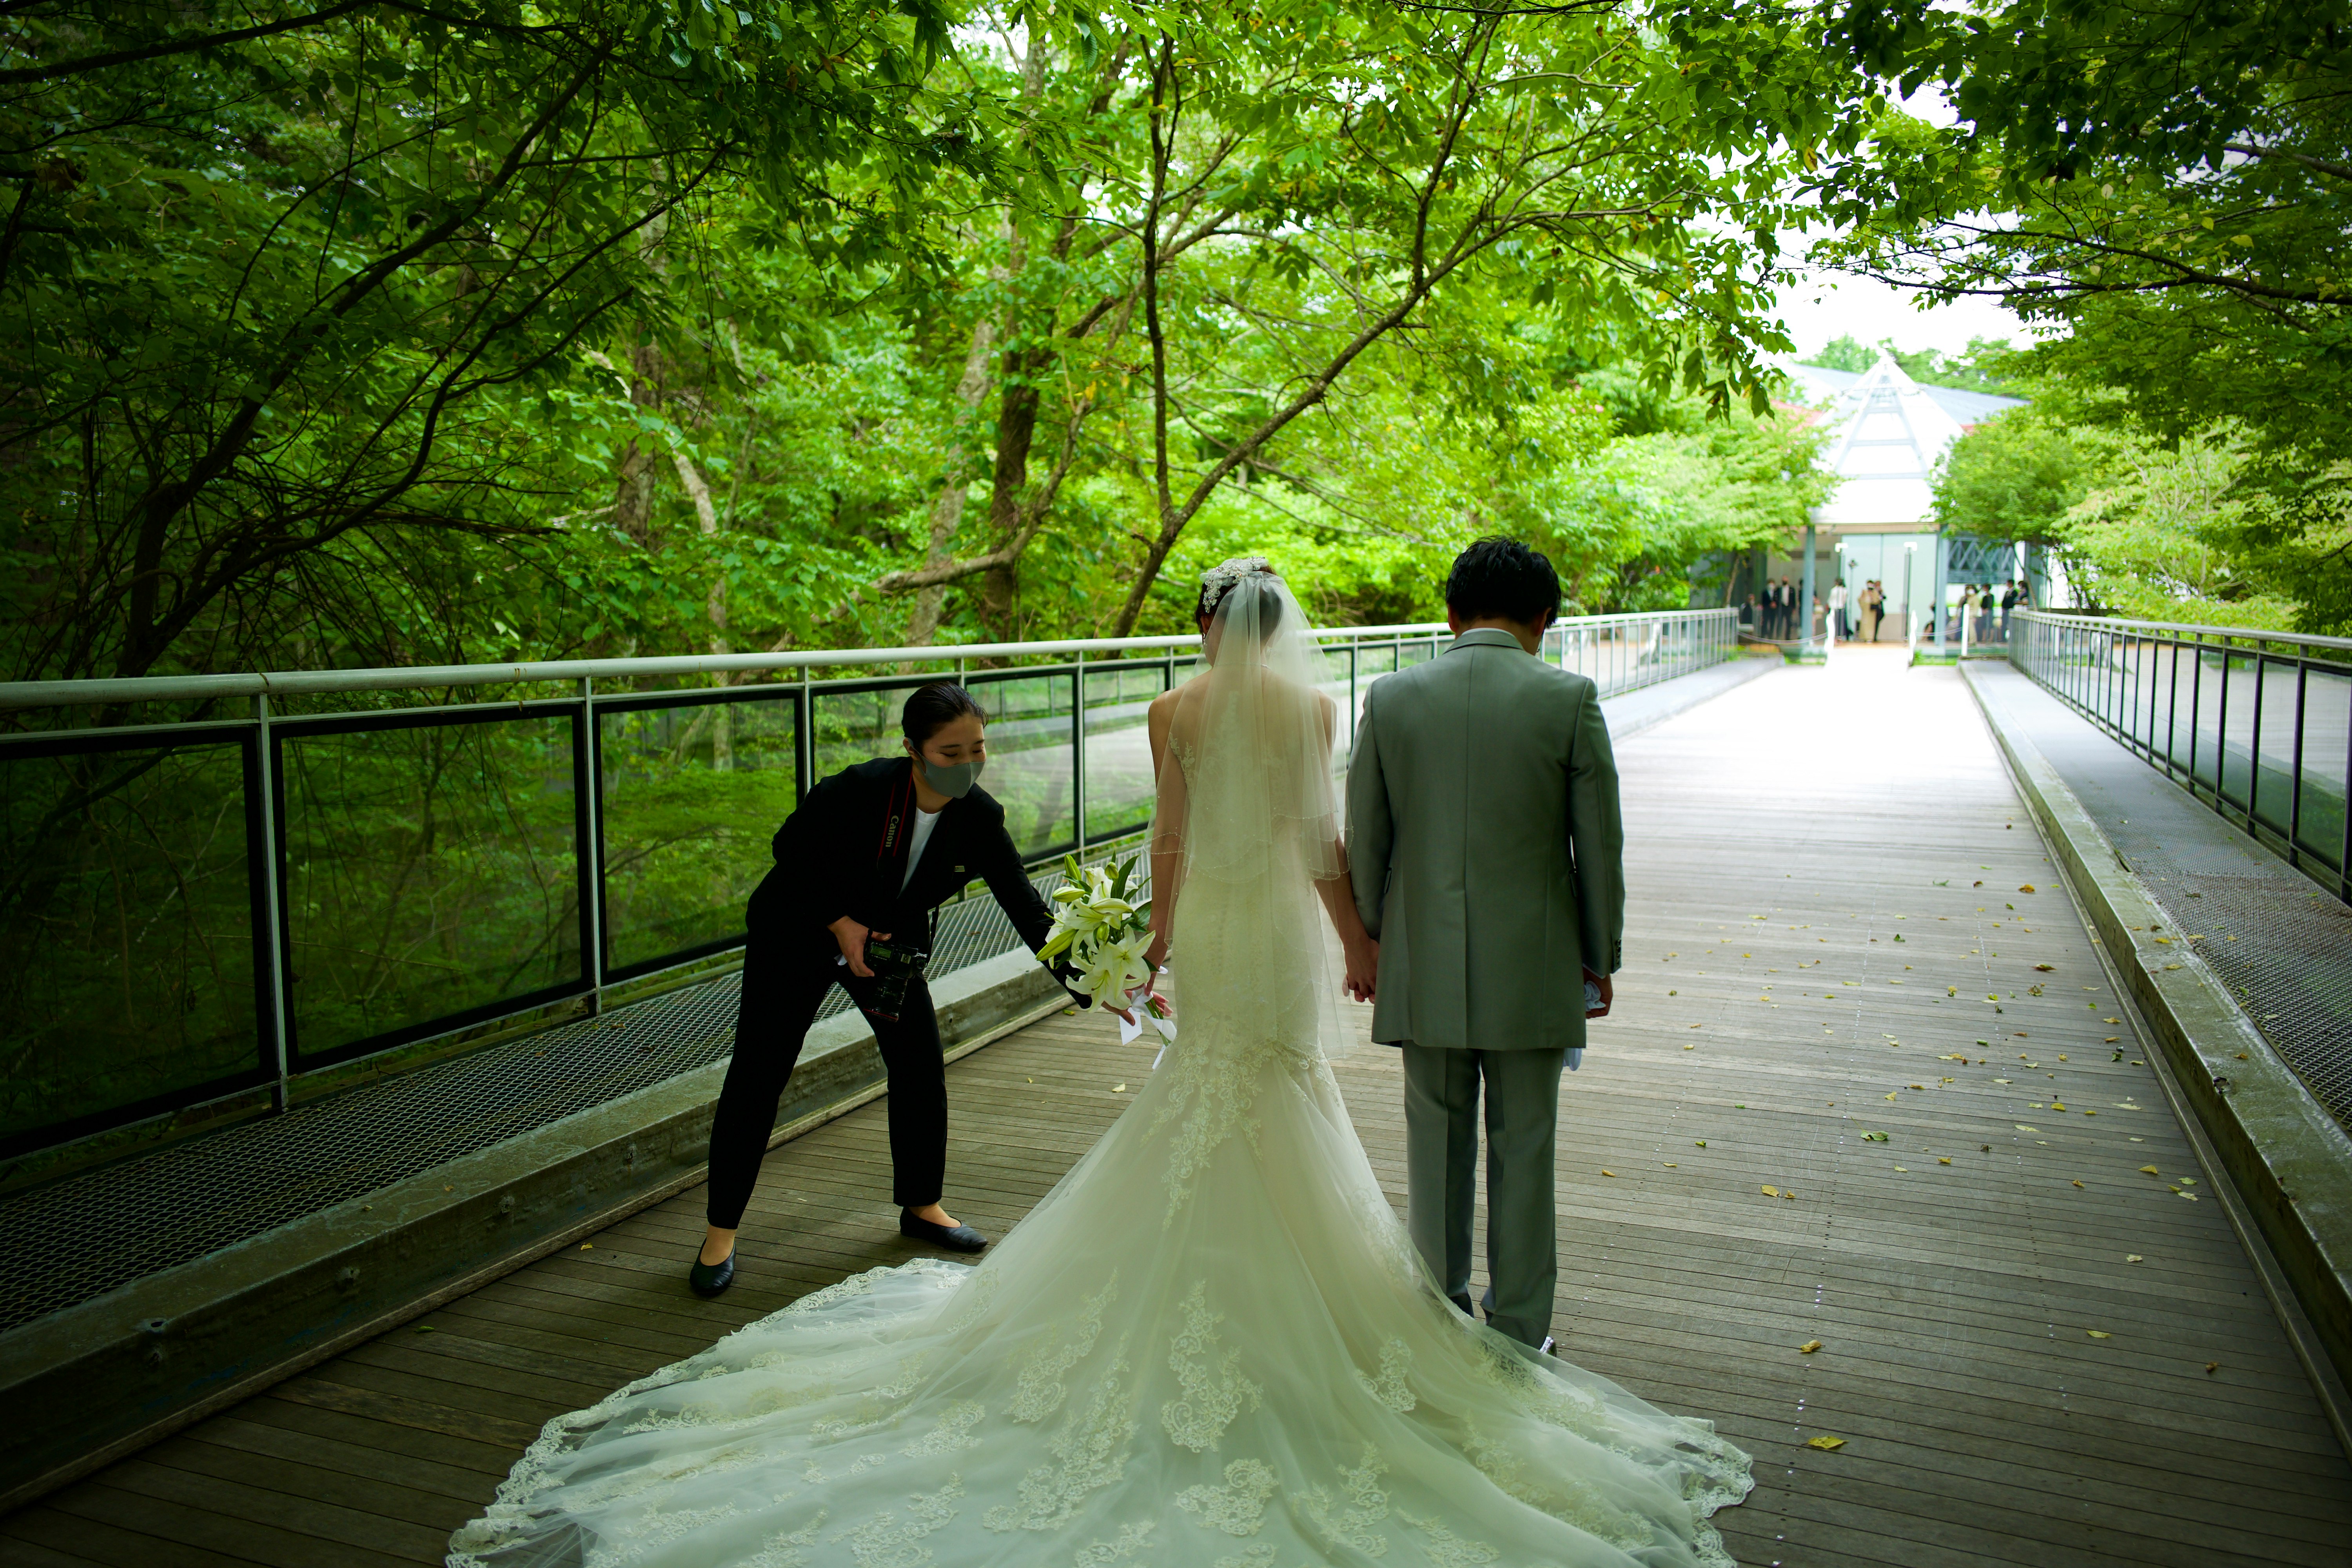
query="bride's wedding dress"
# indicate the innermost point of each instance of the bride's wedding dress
(1210, 1346)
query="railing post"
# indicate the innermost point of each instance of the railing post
(272, 934)
(1079, 751)
(2295, 798)
(804, 738)
(591, 858)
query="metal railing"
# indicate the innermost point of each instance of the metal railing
(2256, 725)
(201, 909)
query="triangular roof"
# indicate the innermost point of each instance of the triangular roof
(1890, 432)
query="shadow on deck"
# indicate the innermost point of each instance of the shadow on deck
(2035, 1353)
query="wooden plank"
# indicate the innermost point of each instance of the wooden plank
(279, 1445)
(404, 1410)
(18, 1552)
(323, 1499)
(105, 1541)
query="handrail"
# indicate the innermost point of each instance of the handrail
(2121, 623)
(99, 689)
(2256, 738)
(539, 852)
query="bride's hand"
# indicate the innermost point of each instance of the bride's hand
(1363, 969)
(1156, 955)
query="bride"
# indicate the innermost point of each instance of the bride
(1211, 1345)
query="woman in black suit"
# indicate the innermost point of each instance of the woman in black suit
(871, 853)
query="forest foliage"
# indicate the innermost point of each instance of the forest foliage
(417, 333)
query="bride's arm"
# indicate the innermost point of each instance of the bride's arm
(1338, 896)
(1167, 837)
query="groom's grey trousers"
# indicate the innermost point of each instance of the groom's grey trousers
(1441, 1130)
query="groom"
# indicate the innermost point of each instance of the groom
(1489, 864)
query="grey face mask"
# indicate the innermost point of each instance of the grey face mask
(954, 781)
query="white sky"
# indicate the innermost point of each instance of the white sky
(1829, 306)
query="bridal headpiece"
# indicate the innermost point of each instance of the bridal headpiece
(1224, 577)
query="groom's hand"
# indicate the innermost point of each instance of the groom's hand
(1608, 994)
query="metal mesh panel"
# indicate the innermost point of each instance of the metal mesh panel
(2287, 966)
(78, 1237)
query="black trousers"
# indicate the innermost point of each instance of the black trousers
(784, 982)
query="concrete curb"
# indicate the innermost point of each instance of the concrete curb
(2288, 1158)
(88, 1384)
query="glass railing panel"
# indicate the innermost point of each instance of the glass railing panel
(2326, 754)
(1030, 752)
(2270, 721)
(691, 796)
(430, 873)
(857, 725)
(128, 914)
(1119, 783)
(2206, 673)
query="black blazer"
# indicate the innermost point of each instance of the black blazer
(835, 857)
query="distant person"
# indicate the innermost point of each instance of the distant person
(1984, 613)
(1869, 603)
(1837, 609)
(1751, 615)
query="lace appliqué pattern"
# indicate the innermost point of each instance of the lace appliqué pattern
(952, 1433)
(1215, 1394)
(1041, 1390)
(790, 1550)
(1237, 1507)
(1390, 1387)
(1089, 1452)
(1357, 1521)
(882, 1543)
(1131, 1539)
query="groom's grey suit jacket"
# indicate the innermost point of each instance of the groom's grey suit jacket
(1487, 848)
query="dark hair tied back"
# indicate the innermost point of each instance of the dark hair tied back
(931, 708)
(1499, 577)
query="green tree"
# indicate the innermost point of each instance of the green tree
(2166, 189)
(288, 291)
(2012, 479)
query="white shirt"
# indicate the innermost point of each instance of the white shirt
(924, 822)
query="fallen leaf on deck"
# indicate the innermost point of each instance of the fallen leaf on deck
(1943, 1160)
(1771, 1192)
(2025, 887)
(1873, 1137)
(2150, 1171)
(2134, 1257)
(2098, 1334)
(2046, 968)
(1890, 1097)
(2079, 1185)
(2211, 1367)
(2022, 1127)
(1608, 1172)
(1700, 1141)
(1825, 1444)
(1809, 1347)
(1119, 1088)
(586, 1245)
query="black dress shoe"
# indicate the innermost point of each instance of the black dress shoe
(707, 1279)
(954, 1237)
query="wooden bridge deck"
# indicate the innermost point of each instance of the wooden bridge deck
(1812, 847)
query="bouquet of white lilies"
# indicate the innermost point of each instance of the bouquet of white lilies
(1099, 922)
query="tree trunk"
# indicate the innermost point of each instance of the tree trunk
(947, 511)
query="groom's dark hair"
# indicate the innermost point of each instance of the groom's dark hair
(1499, 577)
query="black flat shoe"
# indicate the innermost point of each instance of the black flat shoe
(955, 1239)
(706, 1279)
